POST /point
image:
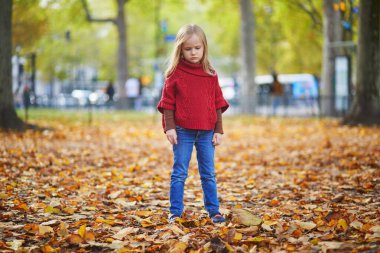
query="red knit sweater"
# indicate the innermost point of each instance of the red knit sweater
(194, 95)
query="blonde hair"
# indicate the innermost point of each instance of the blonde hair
(184, 33)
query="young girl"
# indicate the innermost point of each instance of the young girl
(192, 104)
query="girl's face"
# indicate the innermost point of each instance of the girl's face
(192, 49)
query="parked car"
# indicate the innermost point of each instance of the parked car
(65, 100)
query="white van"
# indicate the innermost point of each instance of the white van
(300, 97)
(298, 86)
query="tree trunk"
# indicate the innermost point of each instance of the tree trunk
(366, 105)
(8, 117)
(327, 80)
(248, 86)
(122, 46)
(122, 54)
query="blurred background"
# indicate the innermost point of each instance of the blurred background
(111, 54)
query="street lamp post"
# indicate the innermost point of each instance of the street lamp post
(92, 99)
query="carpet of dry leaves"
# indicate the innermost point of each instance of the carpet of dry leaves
(285, 185)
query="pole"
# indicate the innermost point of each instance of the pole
(89, 113)
(33, 75)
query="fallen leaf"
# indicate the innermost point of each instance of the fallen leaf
(356, 224)
(246, 218)
(237, 237)
(256, 239)
(342, 225)
(144, 213)
(75, 239)
(32, 228)
(50, 209)
(305, 225)
(115, 194)
(82, 230)
(375, 229)
(330, 246)
(62, 229)
(124, 232)
(89, 236)
(179, 247)
(146, 223)
(48, 223)
(15, 244)
(45, 229)
(266, 227)
(177, 230)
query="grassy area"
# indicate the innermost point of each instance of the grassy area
(81, 115)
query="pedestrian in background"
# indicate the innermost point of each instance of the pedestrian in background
(110, 91)
(277, 92)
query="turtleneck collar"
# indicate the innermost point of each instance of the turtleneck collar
(192, 68)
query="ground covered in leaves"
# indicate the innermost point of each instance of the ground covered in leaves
(302, 185)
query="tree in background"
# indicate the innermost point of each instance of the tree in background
(327, 78)
(8, 116)
(366, 105)
(248, 89)
(122, 53)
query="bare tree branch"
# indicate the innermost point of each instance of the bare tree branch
(92, 19)
(314, 10)
(310, 9)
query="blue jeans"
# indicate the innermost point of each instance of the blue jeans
(186, 139)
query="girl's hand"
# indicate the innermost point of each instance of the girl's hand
(217, 139)
(171, 134)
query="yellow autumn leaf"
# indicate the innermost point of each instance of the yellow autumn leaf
(314, 241)
(146, 223)
(256, 239)
(50, 209)
(144, 213)
(179, 247)
(49, 249)
(82, 230)
(237, 237)
(342, 224)
(45, 229)
(109, 222)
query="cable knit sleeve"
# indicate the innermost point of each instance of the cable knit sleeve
(220, 102)
(168, 96)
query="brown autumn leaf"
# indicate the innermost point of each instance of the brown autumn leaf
(62, 229)
(75, 239)
(89, 236)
